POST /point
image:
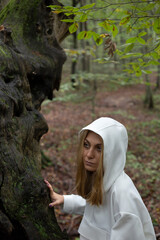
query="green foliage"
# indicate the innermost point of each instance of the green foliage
(137, 22)
(73, 28)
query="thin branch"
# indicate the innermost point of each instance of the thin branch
(116, 19)
(123, 3)
(111, 4)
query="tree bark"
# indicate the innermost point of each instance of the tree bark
(148, 101)
(31, 61)
(75, 57)
(158, 77)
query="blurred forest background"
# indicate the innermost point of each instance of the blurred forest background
(112, 70)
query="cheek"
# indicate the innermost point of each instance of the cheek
(98, 157)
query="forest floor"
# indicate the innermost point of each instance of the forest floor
(124, 104)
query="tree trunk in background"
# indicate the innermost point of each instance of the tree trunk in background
(83, 42)
(83, 47)
(158, 77)
(74, 60)
(75, 57)
(86, 47)
(148, 101)
(31, 62)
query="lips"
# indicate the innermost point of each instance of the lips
(88, 163)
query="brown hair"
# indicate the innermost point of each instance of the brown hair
(89, 185)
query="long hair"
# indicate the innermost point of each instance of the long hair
(89, 185)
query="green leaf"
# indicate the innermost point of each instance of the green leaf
(149, 7)
(88, 6)
(128, 70)
(158, 50)
(68, 14)
(155, 55)
(138, 72)
(73, 28)
(141, 40)
(129, 47)
(129, 29)
(70, 8)
(105, 25)
(142, 34)
(156, 25)
(153, 62)
(114, 30)
(140, 60)
(81, 35)
(120, 53)
(125, 20)
(89, 34)
(85, 35)
(97, 38)
(146, 71)
(99, 41)
(131, 40)
(83, 18)
(128, 55)
(67, 20)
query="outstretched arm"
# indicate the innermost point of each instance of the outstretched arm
(74, 204)
(56, 198)
(71, 203)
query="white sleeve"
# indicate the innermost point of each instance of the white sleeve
(127, 227)
(74, 204)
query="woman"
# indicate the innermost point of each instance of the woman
(111, 206)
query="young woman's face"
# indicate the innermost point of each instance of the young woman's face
(92, 150)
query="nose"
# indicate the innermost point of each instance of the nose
(90, 153)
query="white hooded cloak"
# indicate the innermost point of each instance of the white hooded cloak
(122, 215)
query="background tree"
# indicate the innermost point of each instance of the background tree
(31, 62)
(131, 26)
(75, 55)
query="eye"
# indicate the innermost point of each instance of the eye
(86, 145)
(99, 148)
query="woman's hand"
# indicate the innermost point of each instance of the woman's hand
(56, 198)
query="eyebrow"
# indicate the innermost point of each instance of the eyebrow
(98, 144)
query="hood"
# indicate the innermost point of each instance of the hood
(115, 141)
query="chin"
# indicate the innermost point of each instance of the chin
(90, 169)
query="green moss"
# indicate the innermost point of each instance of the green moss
(3, 103)
(20, 16)
(41, 230)
(4, 52)
(17, 11)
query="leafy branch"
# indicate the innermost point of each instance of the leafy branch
(133, 17)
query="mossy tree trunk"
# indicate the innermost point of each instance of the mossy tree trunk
(31, 61)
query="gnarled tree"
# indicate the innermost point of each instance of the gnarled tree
(31, 61)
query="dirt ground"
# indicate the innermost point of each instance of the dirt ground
(125, 104)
